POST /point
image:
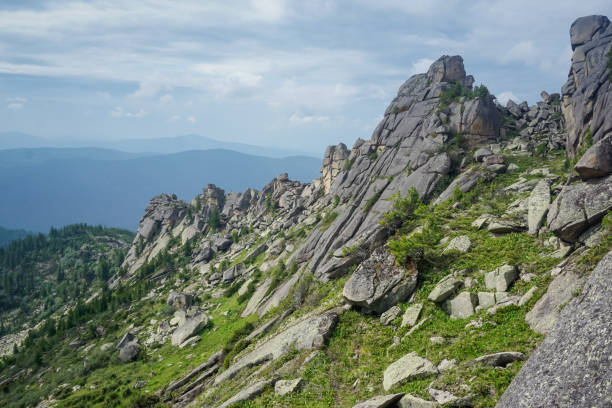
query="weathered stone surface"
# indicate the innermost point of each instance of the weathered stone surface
(545, 312)
(248, 393)
(444, 289)
(407, 368)
(410, 401)
(283, 387)
(461, 243)
(379, 283)
(129, 351)
(580, 206)
(465, 182)
(539, 202)
(180, 300)
(387, 317)
(501, 359)
(257, 298)
(411, 315)
(189, 328)
(597, 160)
(587, 94)
(486, 299)
(310, 332)
(448, 399)
(380, 401)
(572, 365)
(501, 278)
(462, 305)
(527, 296)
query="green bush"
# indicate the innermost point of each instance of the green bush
(327, 220)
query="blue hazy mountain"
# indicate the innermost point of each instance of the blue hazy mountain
(8, 235)
(64, 189)
(163, 145)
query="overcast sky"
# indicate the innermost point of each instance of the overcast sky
(297, 74)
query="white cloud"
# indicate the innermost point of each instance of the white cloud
(119, 112)
(16, 103)
(523, 51)
(299, 119)
(166, 99)
(191, 119)
(503, 97)
(421, 66)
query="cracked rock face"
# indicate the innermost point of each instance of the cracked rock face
(587, 94)
(405, 151)
(572, 365)
(580, 206)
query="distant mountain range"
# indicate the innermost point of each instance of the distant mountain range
(164, 145)
(55, 187)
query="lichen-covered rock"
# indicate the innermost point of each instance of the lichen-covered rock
(571, 368)
(501, 278)
(283, 387)
(410, 401)
(411, 315)
(461, 243)
(539, 202)
(129, 351)
(580, 206)
(407, 368)
(387, 317)
(444, 289)
(597, 160)
(248, 393)
(189, 328)
(379, 283)
(462, 305)
(180, 300)
(500, 359)
(380, 401)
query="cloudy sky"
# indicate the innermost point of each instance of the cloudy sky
(294, 74)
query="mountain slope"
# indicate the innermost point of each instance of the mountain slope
(114, 192)
(425, 267)
(8, 235)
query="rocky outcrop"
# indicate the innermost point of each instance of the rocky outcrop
(334, 161)
(189, 328)
(572, 365)
(579, 206)
(378, 283)
(539, 202)
(587, 94)
(248, 393)
(310, 332)
(405, 151)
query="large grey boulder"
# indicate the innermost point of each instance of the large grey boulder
(597, 160)
(444, 289)
(180, 300)
(189, 328)
(129, 351)
(411, 315)
(409, 367)
(461, 243)
(462, 305)
(539, 202)
(501, 278)
(380, 401)
(571, 368)
(379, 283)
(580, 206)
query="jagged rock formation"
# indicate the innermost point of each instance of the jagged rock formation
(587, 94)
